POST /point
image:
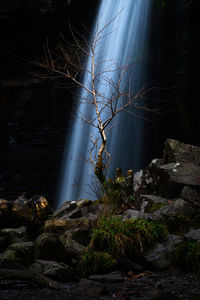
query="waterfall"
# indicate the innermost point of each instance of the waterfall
(124, 42)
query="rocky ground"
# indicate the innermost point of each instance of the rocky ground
(40, 248)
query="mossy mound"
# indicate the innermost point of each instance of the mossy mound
(114, 238)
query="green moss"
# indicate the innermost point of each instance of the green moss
(96, 262)
(114, 238)
(187, 256)
(129, 237)
(156, 206)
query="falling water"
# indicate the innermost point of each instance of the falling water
(124, 42)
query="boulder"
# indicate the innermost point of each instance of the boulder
(23, 209)
(29, 211)
(145, 203)
(176, 151)
(113, 277)
(161, 255)
(168, 176)
(5, 207)
(89, 287)
(42, 207)
(73, 249)
(52, 269)
(94, 211)
(193, 235)
(24, 250)
(61, 225)
(81, 236)
(49, 246)
(12, 235)
(134, 214)
(190, 196)
(9, 259)
(76, 213)
(179, 207)
(70, 206)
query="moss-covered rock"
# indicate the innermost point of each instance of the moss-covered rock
(24, 250)
(96, 262)
(11, 236)
(49, 246)
(52, 269)
(9, 259)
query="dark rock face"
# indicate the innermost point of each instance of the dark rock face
(34, 113)
(168, 179)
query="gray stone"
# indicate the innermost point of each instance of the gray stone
(76, 213)
(176, 151)
(89, 287)
(161, 255)
(193, 235)
(52, 269)
(190, 195)
(144, 202)
(94, 211)
(110, 278)
(134, 214)
(11, 236)
(177, 207)
(72, 247)
(24, 250)
(49, 246)
(69, 206)
(61, 225)
(9, 259)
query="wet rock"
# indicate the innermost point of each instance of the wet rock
(177, 208)
(108, 278)
(70, 206)
(190, 196)
(62, 225)
(71, 246)
(145, 202)
(52, 269)
(193, 235)
(49, 246)
(174, 176)
(81, 236)
(176, 151)
(134, 214)
(5, 207)
(23, 209)
(9, 259)
(24, 250)
(43, 211)
(94, 211)
(161, 255)
(167, 177)
(89, 287)
(76, 213)
(11, 236)
(29, 211)
(143, 180)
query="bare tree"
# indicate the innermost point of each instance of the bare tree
(70, 63)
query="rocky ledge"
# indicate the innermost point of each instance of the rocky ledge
(70, 253)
